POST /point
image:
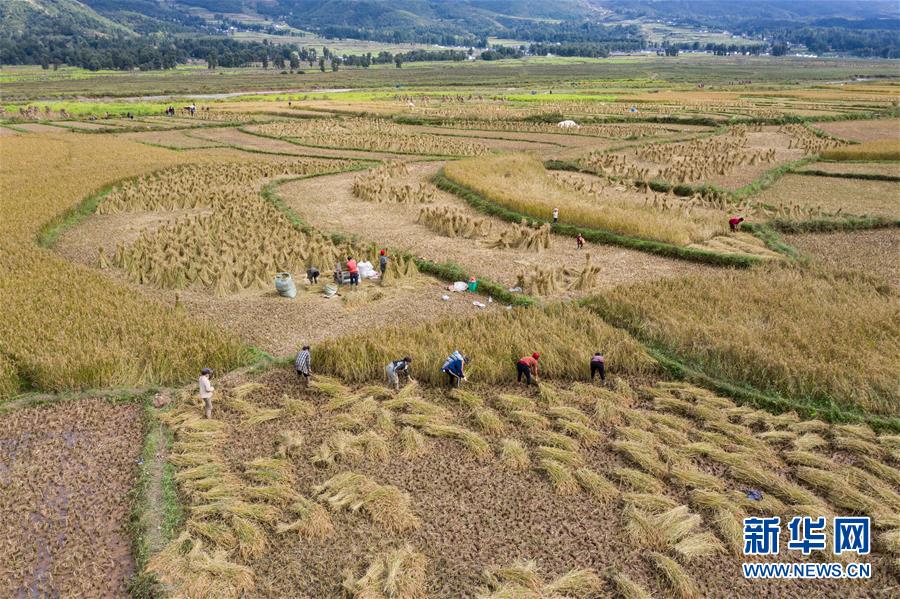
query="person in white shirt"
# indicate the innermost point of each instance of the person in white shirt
(206, 391)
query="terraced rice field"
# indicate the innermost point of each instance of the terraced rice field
(447, 488)
(747, 373)
(831, 195)
(862, 130)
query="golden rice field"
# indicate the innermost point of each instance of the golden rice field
(635, 486)
(521, 183)
(800, 333)
(564, 334)
(879, 149)
(85, 331)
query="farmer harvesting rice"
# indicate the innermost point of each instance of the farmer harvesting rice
(312, 273)
(383, 263)
(206, 391)
(303, 365)
(454, 366)
(555, 215)
(395, 369)
(527, 367)
(579, 241)
(598, 366)
(735, 223)
(353, 269)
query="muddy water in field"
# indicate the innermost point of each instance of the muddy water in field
(65, 476)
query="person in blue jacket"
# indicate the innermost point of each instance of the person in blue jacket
(454, 367)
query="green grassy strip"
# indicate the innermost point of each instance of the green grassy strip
(824, 225)
(865, 176)
(166, 518)
(769, 178)
(745, 394)
(770, 237)
(659, 248)
(682, 369)
(445, 271)
(175, 149)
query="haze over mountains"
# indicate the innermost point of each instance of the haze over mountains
(863, 28)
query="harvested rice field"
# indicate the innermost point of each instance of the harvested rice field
(39, 128)
(829, 196)
(875, 253)
(729, 160)
(329, 204)
(242, 139)
(66, 471)
(862, 130)
(340, 490)
(175, 140)
(749, 368)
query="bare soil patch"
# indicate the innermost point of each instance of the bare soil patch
(874, 252)
(328, 203)
(867, 130)
(66, 471)
(850, 196)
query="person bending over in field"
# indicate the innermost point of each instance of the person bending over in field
(527, 367)
(598, 366)
(206, 391)
(735, 223)
(454, 368)
(312, 273)
(353, 269)
(395, 369)
(303, 365)
(579, 241)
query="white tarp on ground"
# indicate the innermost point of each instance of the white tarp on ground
(568, 125)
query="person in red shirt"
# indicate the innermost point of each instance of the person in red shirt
(527, 367)
(735, 223)
(353, 270)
